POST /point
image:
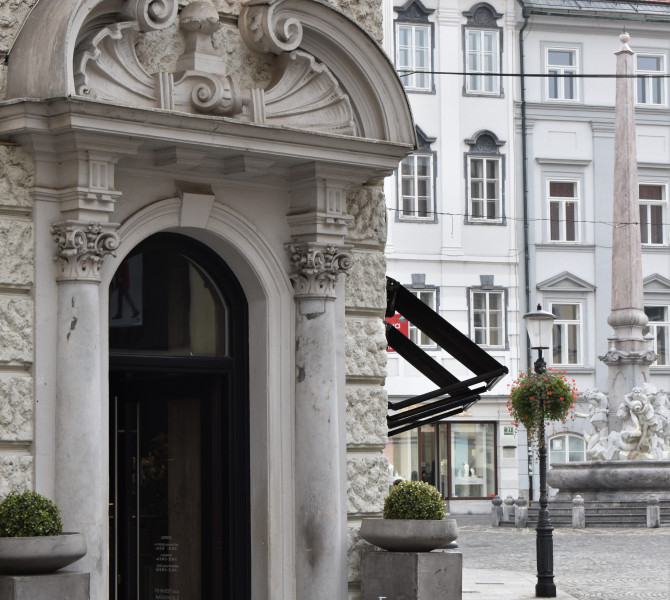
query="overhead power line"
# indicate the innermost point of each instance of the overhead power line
(519, 219)
(405, 73)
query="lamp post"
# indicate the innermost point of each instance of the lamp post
(539, 325)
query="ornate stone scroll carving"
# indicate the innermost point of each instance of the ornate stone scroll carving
(303, 93)
(265, 30)
(82, 248)
(106, 66)
(316, 267)
(151, 15)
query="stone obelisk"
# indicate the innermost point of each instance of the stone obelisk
(628, 355)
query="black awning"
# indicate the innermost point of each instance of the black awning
(452, 395)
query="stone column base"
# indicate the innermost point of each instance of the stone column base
(57, 586)
(412, 575)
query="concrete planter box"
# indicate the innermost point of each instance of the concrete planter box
(398, 535)
(40, 554)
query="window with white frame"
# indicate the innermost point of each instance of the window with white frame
(482, 43)
(652, 209)
(560, 63)
(414, 56)
(415, 182)
(650, 88)
(567, 448)
(429, 297)
(563, 199)
(567, 334)
(487, 317)
(659, 327)
(482, 61)
(484, 188)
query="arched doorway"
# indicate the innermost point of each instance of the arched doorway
(179, 425)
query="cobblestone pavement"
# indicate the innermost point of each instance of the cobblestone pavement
(589, 564)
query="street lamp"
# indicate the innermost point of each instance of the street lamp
(539, 325)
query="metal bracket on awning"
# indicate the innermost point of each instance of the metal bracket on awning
(453, 396)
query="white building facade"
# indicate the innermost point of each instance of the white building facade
(508, 203)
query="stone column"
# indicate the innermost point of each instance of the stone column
(81, 461)
(628, 356)
(319, 418)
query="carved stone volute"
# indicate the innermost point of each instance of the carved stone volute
(315, 269)
(265, 30)
(82, 248)
(152, 15)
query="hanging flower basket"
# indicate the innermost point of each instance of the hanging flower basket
(537, 399)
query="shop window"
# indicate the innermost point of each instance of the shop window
(563, 199)
(559, 64)
(567, 334)
(652, 207)
(482, 52)
(457, 458)
(659, 327)
(472, 462)
(650, 89)
(487, 317)
(566, 448)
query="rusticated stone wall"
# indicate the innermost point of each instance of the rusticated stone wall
(16, 320)
(367, 467)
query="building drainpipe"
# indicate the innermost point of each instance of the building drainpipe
(524, 184)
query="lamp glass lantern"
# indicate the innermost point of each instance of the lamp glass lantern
(539, 325)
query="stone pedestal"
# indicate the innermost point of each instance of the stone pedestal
(57, 586)
(412, 576)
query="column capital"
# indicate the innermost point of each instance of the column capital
(316, 267)
(82, 247)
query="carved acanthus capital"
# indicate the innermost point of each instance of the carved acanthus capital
(266, 30)
(316, 267)
(82, 248)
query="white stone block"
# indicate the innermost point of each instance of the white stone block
(366, 415)
(16, 250)
(366, 347)
(16, 329)
(368, 483)
(16, 408)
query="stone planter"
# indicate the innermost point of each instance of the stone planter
(40, 554)
(398, 535)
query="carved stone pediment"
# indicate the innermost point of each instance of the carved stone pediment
(303, 93)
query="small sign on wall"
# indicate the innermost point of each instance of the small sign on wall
(401, 324)
(508, 435)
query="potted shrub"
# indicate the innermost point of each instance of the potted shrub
(31, 536)
(414, 520)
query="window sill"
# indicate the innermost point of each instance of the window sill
(486, 222)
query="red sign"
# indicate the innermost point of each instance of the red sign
(400, 323)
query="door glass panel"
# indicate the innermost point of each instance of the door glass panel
(160, 302)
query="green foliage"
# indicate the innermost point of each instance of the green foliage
(539, 398)
(29, 514)
(414, 500)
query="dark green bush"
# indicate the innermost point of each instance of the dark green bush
(29, 514)
(414, 500)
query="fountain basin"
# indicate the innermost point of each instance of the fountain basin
(616, 480)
